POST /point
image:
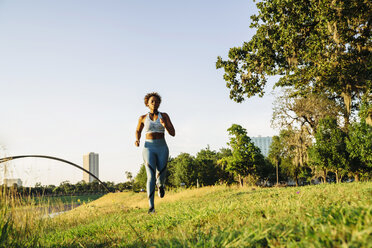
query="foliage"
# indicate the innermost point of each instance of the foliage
(169, 176)
(17, 226)
(226, 177)
(329, 150)
(245, 157)
(365, 111)
(266, 172)
(321, 51)
(291, 110)
(128, 175)
(209, 172)
(67, 188)
(275, 150)
(185, 170)
(276, 153)
(189, 170)
(359, 147)
(314, 46)
(290, 150)
(359, 142)
(141, 178)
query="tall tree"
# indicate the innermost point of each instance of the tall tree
(185, 170)
(359, 147)
(226, 176)
(276, 154)
(245, 157)
(329, 150)
(292, 146)
(208, 170)
(314, 46)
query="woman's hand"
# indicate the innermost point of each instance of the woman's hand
(162, 122)
(167, 124)
(137, 143)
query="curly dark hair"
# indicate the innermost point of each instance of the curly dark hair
(147, 97)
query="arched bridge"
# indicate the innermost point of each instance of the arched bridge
(2, 160)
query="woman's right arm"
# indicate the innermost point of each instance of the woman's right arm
(138, 131)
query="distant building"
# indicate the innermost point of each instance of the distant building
(90, 163)
(263, 143)
(11, 181)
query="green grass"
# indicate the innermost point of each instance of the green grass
(312, 216)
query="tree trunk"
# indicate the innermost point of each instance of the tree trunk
(347, 101)
(337, 181)
(341, 177)
(369, 117)
(241, 181)
(356, 177)
(296, 168)
(296, 178)
(325, 176)
(277, 173)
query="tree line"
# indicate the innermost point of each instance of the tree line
(241, 163)
(67, 188)
(294, 156)
(324, 151)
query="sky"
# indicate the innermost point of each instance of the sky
(73, 75)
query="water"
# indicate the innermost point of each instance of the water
(52, 215)
(55, 211)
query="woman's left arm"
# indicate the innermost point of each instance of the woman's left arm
(166, 122)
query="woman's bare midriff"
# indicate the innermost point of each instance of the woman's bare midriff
(155, 136)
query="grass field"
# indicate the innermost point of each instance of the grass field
(311, 216)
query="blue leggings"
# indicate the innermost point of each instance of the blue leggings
(155, 155)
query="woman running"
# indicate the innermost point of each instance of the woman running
(155, 152)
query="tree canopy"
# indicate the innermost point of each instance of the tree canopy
(185, 170)
(359, 147)
(245, 156)
(315, 46)
(329, 150)
(303, 111)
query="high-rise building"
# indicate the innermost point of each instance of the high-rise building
(263, 143)
(90, 163)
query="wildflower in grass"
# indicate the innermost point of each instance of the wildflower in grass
(297, 192)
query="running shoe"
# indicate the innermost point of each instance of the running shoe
(151, 210)
(161, 191)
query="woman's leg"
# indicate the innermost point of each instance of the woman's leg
(162, 160)
(149, 158)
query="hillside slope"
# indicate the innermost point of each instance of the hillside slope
(220, 216)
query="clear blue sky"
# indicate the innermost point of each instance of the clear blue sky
(73, 75)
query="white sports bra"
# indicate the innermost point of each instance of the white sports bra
(153, 126)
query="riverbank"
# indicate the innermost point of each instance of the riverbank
(330, 215)
(318, 216)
